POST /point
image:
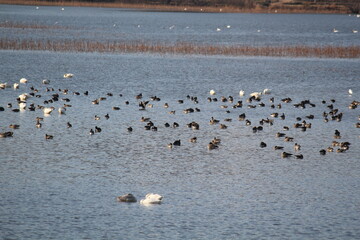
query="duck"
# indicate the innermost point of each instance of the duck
(45, 81)
(285, 155)
(16, 86)
(212, 146)
(48, 137)
(62, 110)
(297, 147)
(129, 198)
(278, 147)
(177, 143)
(151, 198)
(263, 145)
(14, 126)
(193, 140)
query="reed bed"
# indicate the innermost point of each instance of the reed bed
(276, 7)
(29, 26)
(180, 48)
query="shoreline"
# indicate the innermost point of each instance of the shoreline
(280, 9)
(349, 52)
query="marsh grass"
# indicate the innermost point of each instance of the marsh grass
(29, 26)
(275, 7)
(180, 48)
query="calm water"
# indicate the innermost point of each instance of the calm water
(104, 24)
(66, 188)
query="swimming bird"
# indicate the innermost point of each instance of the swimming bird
(152, 198)
(91, 132)
(62, 110)
(45, 81)
(297, 147)
(48, 137)
(322, 152)
(127, 198)
(262, 145)
(69, 125)
(48, 110)
(16, 86)
(335, 30)
(177, 143)
(278, 147)
(68, 75)
(23, 80)
(241, 93)
(299, 156)
(285, 155)
(350, 92)
(212, 146)
(212, 92)
(266, 91)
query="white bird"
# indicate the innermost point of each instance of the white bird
(16, 86)
(242, 93)
(335, 30)
(62, 9)
(151, 198)
(255, 94)
(3, 85)
(228, 26)
(37, 8)
(267, 91)
(23, 97)
(68, 75)
(212, 92)
(350, 92)
(218, 29)
(62, 110)
(23, 80)
(45, 81)
(355, 31)
(22, 105)
(48, 110)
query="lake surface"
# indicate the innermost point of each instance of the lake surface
(66, 188)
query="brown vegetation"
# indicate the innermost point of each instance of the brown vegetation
(256, 6)
(28, 26)
(181, 48)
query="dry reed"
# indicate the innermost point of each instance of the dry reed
(181, 48)
(29, 26)
(317, 8)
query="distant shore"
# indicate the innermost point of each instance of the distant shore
(276, 8)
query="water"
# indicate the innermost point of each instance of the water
(163, 27)
(66, 188)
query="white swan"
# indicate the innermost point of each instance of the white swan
(22, 105)
(23, 80)
(241, 93)
(23, 97)
(335, 30)
(355, 31)
(68, 75)
(218, 29)
(48, 110)
(151, 198)
(267, 91)
(212, 92)
(62, 110)
(350, 92)
(255, 94)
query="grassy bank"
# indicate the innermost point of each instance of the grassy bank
(181, 48)
(276, 7)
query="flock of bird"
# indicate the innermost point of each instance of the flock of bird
(253, 100)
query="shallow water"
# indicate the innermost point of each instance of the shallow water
(197, 28)
(66, 188)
